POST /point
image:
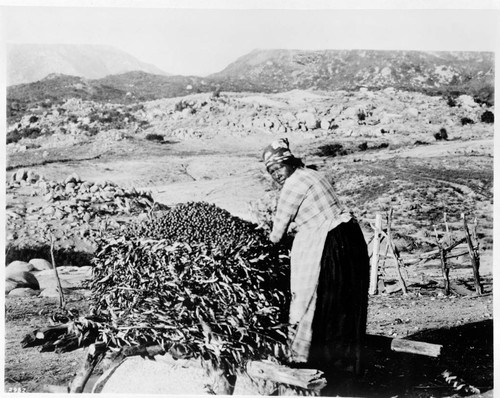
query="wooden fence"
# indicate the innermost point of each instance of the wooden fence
(446, 249)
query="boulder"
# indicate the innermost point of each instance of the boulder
(18, 266)
(32, 177)
(336, 110)
(9, 286)
(40, 264)
(309, 119)
(23, 292)
(22, 279)
(20, 175)
(467, 101)
(325, 124)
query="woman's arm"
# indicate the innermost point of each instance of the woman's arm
(289, 202)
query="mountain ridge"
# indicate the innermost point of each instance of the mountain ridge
(448, 74)
(30, 62)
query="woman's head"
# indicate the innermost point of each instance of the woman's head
(279, 161)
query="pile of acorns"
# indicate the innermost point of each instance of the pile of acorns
(198, 281)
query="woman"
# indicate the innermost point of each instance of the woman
(329, 265)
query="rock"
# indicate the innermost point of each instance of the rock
(72, 178)
(336, 111)
(467, 101)
(23, 292)
(32, 177)
(325, 124)
(18, 266)
(40, 264)
(20, 175)
(59, 214)
(309, 119)
(23, 279)
(49, 210)
(9, 286)
(412, 112)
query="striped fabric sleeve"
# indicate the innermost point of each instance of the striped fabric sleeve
(290, 199)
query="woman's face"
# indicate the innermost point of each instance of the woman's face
(280, 172)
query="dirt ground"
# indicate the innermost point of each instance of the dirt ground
(228, 172)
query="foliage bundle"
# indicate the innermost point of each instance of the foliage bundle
(197, 280)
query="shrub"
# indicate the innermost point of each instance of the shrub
(28, 132)
(72, 119)
(466, 120)
(488, 117)
(451, 101)
(485, 95)
(181, 105)
(155, 137)
(331, 150)
(441, 135)
(363, 146)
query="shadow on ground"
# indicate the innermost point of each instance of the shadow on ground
(62, 256)
(467, 353)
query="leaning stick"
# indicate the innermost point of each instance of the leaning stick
(474, 258)
(375, 255)
(62, 303)
(394, 254)
(444, 266)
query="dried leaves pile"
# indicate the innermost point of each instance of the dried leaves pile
(198, 281)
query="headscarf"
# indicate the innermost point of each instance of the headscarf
(277, 152)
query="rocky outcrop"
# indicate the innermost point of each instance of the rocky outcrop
(21, 279)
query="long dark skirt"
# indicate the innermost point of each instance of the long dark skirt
(339, 325)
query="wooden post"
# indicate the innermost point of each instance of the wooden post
(62, 303)
(375, 255)
(474, 255)
(395, 254)
(442, 256)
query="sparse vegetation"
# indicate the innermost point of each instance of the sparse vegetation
(28, 132)
(155, 137)
(441, 135)
(466, 120)
(331, 150)
(488, 117)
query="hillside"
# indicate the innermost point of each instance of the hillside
(31, 62)
(448, 74)
(284, 70)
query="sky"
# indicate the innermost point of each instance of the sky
(200, 38)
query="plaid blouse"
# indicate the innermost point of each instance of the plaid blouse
(307, 198)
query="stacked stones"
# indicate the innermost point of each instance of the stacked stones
(76, 209)
(77, 200)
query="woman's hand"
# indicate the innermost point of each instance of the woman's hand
(273, 238)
